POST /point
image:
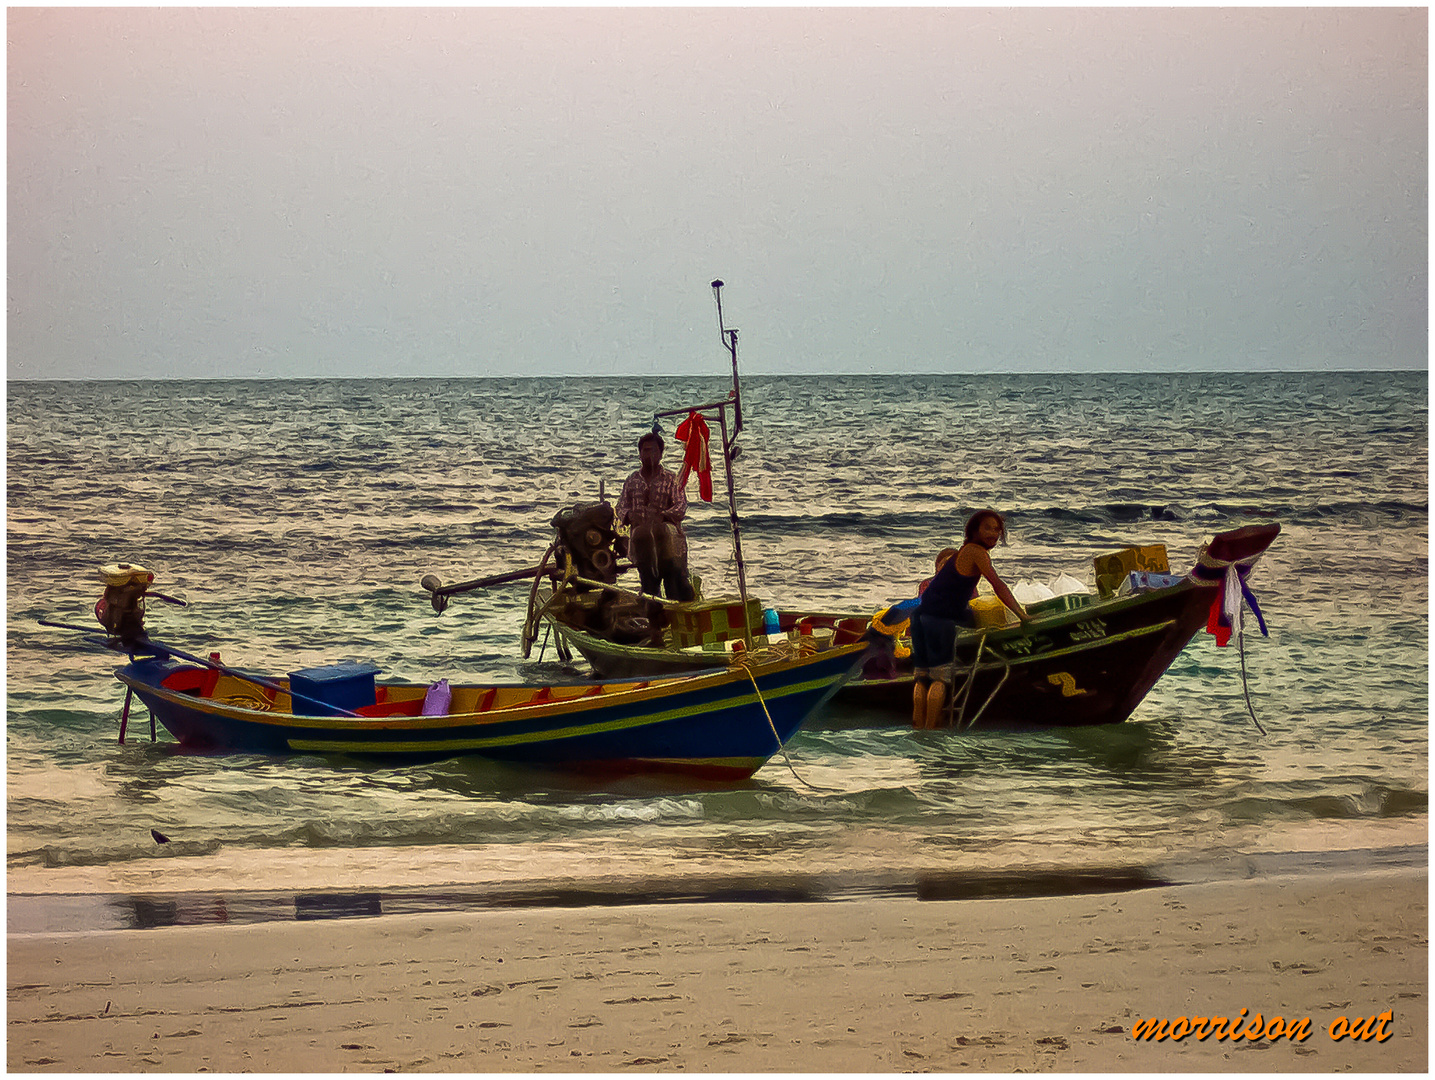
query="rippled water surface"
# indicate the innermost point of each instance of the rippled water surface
(297, 518)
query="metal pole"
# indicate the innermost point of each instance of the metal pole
(736, 388)
(125, 715)
(729, 340)
(268, 684)
(736, 532)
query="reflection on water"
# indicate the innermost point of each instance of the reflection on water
(1015, 885)
(142, 913)
(1130, 754)
(67, 914)
(337, 906)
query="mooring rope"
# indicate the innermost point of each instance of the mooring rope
(742, 663)
(1245, 684)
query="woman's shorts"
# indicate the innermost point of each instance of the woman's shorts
(933, 638)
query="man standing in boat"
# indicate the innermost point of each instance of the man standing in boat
(653, 506)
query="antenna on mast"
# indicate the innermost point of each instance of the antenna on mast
(729, 340)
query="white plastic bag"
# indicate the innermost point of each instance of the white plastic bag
(1065, 585)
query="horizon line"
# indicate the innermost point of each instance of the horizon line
(724, 375)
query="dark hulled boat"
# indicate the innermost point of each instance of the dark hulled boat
(1089, 665)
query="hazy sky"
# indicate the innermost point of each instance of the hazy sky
(491, 191)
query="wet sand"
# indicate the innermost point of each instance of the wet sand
(873, 985)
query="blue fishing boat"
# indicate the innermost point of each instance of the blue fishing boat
(723, 724)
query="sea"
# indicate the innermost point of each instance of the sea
(295, 519)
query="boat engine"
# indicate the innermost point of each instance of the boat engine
(121, 609)
(586, 533)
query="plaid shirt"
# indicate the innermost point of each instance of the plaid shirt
(662, 494)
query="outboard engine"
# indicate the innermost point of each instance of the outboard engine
(587, 535)
(121, 609)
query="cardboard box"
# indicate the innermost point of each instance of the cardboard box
(1112, 569)
(332, 688)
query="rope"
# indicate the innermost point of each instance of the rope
(247, 701)
(1245, 684)
(774, 652)
(773, 727)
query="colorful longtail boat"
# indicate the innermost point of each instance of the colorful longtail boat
(724, 724)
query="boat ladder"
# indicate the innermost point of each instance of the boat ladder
(956, 715)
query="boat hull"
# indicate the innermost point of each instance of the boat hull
(1091, 666)
(711, 726)
(1088, 666)
(609, 660)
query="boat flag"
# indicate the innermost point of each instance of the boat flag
(1226, 606)
(693, 434)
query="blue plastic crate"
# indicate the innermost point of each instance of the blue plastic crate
(333, 688)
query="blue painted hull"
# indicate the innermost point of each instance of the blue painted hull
(711, 725)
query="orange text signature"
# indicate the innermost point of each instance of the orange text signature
(1200, 1028)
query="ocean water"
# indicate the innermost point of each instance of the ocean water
(297, 517)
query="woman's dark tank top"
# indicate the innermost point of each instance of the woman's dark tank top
(949, 593)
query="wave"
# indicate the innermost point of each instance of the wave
(1212, 516)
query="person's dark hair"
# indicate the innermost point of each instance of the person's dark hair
(975, 522)
(651, 436)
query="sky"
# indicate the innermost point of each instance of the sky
(328, 192)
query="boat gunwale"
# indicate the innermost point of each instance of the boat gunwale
(970, 636)
(643, 691)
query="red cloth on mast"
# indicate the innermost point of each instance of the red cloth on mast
(693, 434)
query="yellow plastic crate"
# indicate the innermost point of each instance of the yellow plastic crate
(991, 613)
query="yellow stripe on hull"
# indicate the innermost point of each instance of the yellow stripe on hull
(546, 735)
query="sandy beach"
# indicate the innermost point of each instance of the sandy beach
(1048, 984)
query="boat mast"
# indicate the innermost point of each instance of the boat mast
(730, 449)
(729, 339)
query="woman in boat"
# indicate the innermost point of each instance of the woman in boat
(945, 605)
